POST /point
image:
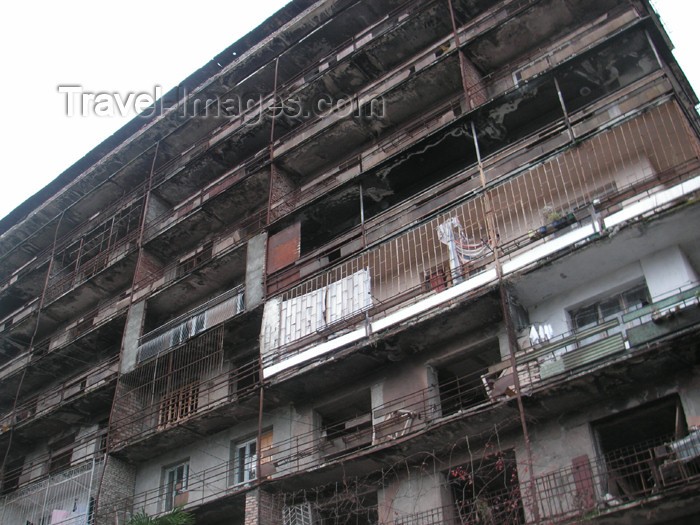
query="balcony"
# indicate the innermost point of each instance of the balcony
(220, 258)
(197, 370)
(88, 340)
(579, 351)
(77, 392)
(64, 497)
(660, 482)
(83, 270)
(451, 255)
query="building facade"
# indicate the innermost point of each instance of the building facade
(380, 262)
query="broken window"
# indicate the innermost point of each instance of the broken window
(460, 381)
(487, 490)
(61, 454)
(175, 485)
(346, 423)
(244, 458)
(628, 444)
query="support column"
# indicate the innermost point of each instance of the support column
(262, 508)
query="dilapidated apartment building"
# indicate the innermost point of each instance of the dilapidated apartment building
(380, 262)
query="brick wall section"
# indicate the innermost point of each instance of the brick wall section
(270, 508)
(475, 85)
(280, 197)
(132, 417)
(116, 491)
(147, 269)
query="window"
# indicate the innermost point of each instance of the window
(628, 440)
(175, 485)
(61, 454)
(245, 458)
(610, 307)
(11, 475)
(487, 490)
(244, 380)
(346, 422)
(298, 515)
(460, 383)
(179, 404)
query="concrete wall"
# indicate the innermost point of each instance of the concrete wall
(413, 493)
(255, 271)
(555, 310)
(399, 404)
(668, 270)
(130, 343)
(664, 272)
(209, 467)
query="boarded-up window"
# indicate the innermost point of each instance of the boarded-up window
(284, 248)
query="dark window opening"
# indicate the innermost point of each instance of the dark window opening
(487, 490)
(333, 215)
(11, 475)
(195, 260)
(610, 307)
(244, 379)
(346, 423)
(628, 443)
(60, 459)
(460, 381)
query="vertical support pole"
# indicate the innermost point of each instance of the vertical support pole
(258, 441)
(512, 340)
(31, 345)
(653, 48)
(272, 143)
(139, 244)
(362, 217)
(77, 262)
(462, 58)
(563, 108)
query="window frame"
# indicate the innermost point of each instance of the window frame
(170, 487)
(597, 305)
(244, 466)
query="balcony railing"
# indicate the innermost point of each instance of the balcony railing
(187, 326)
(579, 350)
(71, 277)
(453, 249)
(586, 489)
(190, 379)
(222, 243)
(49, 400)
(64, 498)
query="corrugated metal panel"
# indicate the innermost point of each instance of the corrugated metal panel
(598, 350)
(314, 311)
(191, 327)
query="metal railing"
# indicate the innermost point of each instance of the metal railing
(232, 238)
(65, 497)
(192, 378)
(536, 204)
(41, 404)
